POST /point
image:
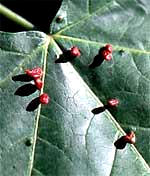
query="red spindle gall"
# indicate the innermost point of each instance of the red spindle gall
(113, 102)
(109, 48)
(39, 83)
(130, 138)
(122, 141)
(35, 72)
(44, 98)
(106, 55)
(74, 51)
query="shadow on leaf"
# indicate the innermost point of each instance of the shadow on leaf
(33, 104)
(65, 57)
(98, 110)
(26, 90)
(97, 61)
(22, 78)
(120, 143)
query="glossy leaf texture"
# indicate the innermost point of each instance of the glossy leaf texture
(125, 25)
(62, 138)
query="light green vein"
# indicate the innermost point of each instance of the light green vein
(59, 105)
(87, 132)
(146, 129)
(37, 171)
(56, 147)
(108, 115)
(108, 5)
(12, 52)
(116, 47)
(47, 119)
(29, 56)
(20, 141)
(114, 158)
(115, 154)
(39, 109)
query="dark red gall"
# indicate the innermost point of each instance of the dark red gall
(130, 137)
(38, 83)
(74, 51)
(122, 141)
(44, 98)
(106, 55)
(113, 102)
(35, 72)
(108, 47)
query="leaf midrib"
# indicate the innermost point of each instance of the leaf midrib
(48, 39)
(115, 47)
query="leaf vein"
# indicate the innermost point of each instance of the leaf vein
(86, 133)
(116, 47)
(139, 70)
(146, 129)
(19, 66)
(37, 171)
(39, 109)
(56, 147)
(82, 19)
(45, 117)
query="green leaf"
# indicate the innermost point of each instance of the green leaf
(124, 24)
(66, 139)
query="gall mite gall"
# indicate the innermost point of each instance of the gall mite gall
(130, 138)
(106, 55)
(38, 83)
(44, 98)
(75, 52)
(35, 72)
(108, 47)
(122, 141)
(113, 102)
(110, 104)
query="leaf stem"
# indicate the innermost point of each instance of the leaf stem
(15, 17)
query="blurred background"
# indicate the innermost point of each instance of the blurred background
(38, 12)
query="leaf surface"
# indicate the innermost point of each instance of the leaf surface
(125, 25)
(66, 139)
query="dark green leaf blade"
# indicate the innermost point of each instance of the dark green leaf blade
(75, 141)
(70, 140)
(17, 52)
(124, 24)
